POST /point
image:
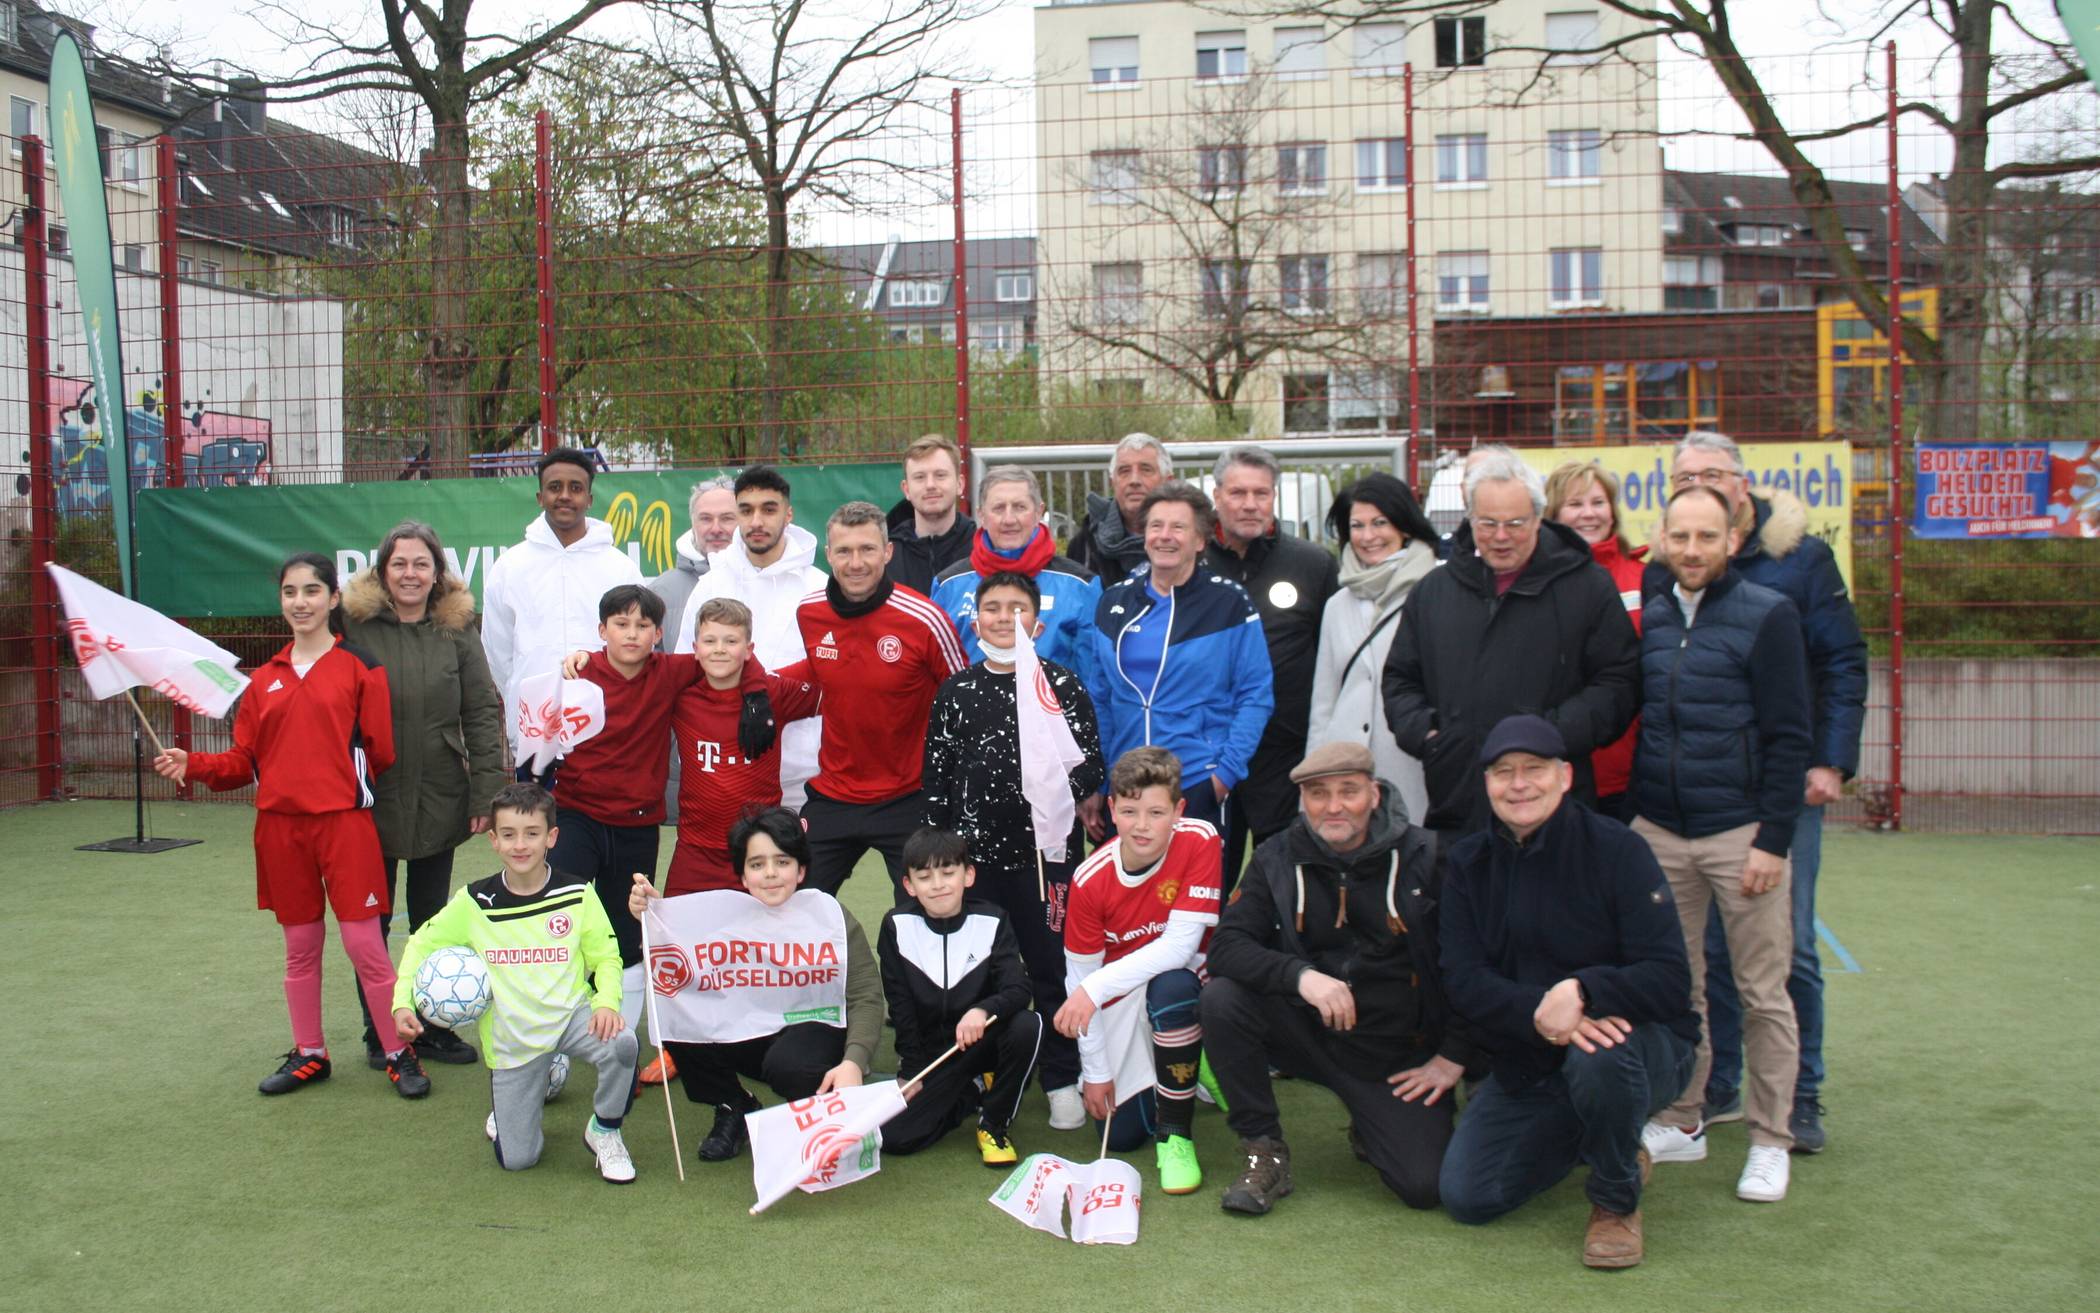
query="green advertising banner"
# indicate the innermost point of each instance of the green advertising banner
(2082, 21)
(80, 191)
(215, 551)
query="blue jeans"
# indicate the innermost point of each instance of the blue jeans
(1804, 983)
(1515, 1143)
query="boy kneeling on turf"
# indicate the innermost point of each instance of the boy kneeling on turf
(543, 934)
(1143, 907)
(953, 974)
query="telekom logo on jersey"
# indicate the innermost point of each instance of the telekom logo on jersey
(711, 755)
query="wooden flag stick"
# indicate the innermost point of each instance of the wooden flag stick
(953, 1049)
(656, 1038)
(1042, 887)
(161, 749)
(1106, 1123)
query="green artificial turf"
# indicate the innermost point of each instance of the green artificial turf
(143, 1169)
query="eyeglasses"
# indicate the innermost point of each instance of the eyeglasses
(1482, 524)
(1711, 478)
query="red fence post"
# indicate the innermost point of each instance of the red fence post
(43, 593)
(543, 235)
(1897, 517)
(1414, 356)
(962, 295)
(170, 198)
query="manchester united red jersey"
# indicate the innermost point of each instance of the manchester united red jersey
(1115, 914)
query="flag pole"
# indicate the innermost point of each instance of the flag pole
(656, 1037)
(161, 749)
(953, 1049)
(1107, 1124)
(1042, 886)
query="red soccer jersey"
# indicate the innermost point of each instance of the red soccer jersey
(311, 744)
(618, 775)
(1114, 914)
(716, 783)
(879, 672)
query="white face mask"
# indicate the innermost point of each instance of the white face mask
(1005, 656)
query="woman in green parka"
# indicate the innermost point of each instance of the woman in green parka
(417, 618)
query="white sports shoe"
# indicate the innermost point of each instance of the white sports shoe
(491, 1128)
(1669, 1144)
(1764, 1176)
(1067, 1109)
(614, 1164)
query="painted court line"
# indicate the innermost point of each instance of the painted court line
(1844, 958)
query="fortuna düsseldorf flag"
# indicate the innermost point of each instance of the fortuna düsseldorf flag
(1103, 1196)
(725, 967)
(554, 715)
(1048, 751)
(120, 643)
(820, 1143)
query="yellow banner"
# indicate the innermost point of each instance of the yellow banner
(1819, 474)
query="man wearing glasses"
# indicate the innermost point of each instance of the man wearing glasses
(1521, 620)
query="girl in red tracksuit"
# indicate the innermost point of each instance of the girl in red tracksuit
(1585, 496)
(314, 727)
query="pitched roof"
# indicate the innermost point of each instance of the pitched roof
(282, 188)
(1715, 206)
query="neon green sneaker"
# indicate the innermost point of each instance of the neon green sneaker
(1178, 1170)
(1207, 1081)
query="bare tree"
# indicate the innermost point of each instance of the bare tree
(811, 103)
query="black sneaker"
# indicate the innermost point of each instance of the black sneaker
(1265, 1179)
(441, 1045)
(1807, 1125)
(729, 1135)
(299, 1071)
(406, 1071)
(1721, 1106)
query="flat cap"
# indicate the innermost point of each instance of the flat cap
(1531, 734)
(1334, 759)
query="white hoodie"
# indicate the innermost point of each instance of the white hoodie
(773, 593)
(540, 603)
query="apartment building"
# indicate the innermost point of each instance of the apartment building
(1223, 200)
(911, 287)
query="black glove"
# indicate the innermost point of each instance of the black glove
(755, 730)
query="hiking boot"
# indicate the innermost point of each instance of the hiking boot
(1265, 1179)
(1764, 1175)
(440, 1045)
(1178, 1169)
(1067, 1108)
(1613, 1239)
(298, 1071)
(1674, 1144)
(729, 1135)
(615, 1164)
(1806, 1122)
(1207, 1087)
(1722, 1106)
(405, 1069)
(660, 1070)
(995, 1149)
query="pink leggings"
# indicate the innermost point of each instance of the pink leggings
(366, 946)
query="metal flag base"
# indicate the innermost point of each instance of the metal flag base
(135, 845)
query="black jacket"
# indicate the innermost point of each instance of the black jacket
(1558, 645)
(934, 970)
(1103, 545)
(1724, 720)
(1290, 581)
(1581, 897)
(971, 778)
(914, 561)
(1281, 923)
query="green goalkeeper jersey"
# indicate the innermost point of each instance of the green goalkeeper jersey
(545, 951)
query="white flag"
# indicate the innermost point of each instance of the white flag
(1103, 1196)
(1126, 1029)
(820, 1143)
(554, 715)
(120, 643)
(1049, 753)
(726, 967)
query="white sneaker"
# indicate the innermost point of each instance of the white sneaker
(490, 1129)
(614, 1164)
(1669, 1144)
(1067, 1109)
(1764, 1176)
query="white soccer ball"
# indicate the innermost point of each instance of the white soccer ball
(557, 1076)
(452, 987)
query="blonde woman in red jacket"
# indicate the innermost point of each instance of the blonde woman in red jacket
(1585, 496)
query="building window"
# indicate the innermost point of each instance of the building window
(1301, 169)
(1856, 238)
(183, 266)
(1577, 277)
(1118, 293)
(1362, 399)
(1590, 401)
(1301, 52)
(1380, 48)
(1004, 337)
(211, 271)
(7, 23)
(1381, 164)
(1574, 33)
(1657, 399)
(1225, 288)
(1305, 403)
(1771, 296)
(340, 224)
(1303, 283)
(1672, 220)
(911, 292)
(1013, 285)
(277, 206)
(1462, 159)
(1221, 54)
(1114, 60)
(21, 121)
(1381, 284)
(57, 239)
(1758, 234)
(1461, 42)
(1574, 155)
(130, 160)
(1462, 281)
(1220, 170)
(1112, 177)
(134, 258)
(1691, 282)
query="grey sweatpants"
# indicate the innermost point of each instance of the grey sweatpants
(519, 1093)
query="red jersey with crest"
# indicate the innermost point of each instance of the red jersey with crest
(310, 744)
(1114, 913)
(618, 775)
(879, 671)
(715, 782)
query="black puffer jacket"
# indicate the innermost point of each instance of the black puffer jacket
(1103, 545)
(1282, 922)
(1557, 645)
(914, 561)
(1290, 581)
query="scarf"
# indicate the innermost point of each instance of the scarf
(1028, 559)
(1117, 543)
(1387, 583)
(848, 610)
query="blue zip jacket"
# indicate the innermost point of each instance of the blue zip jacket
(1070, 593)
(1724, 716)
(1212, 694)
